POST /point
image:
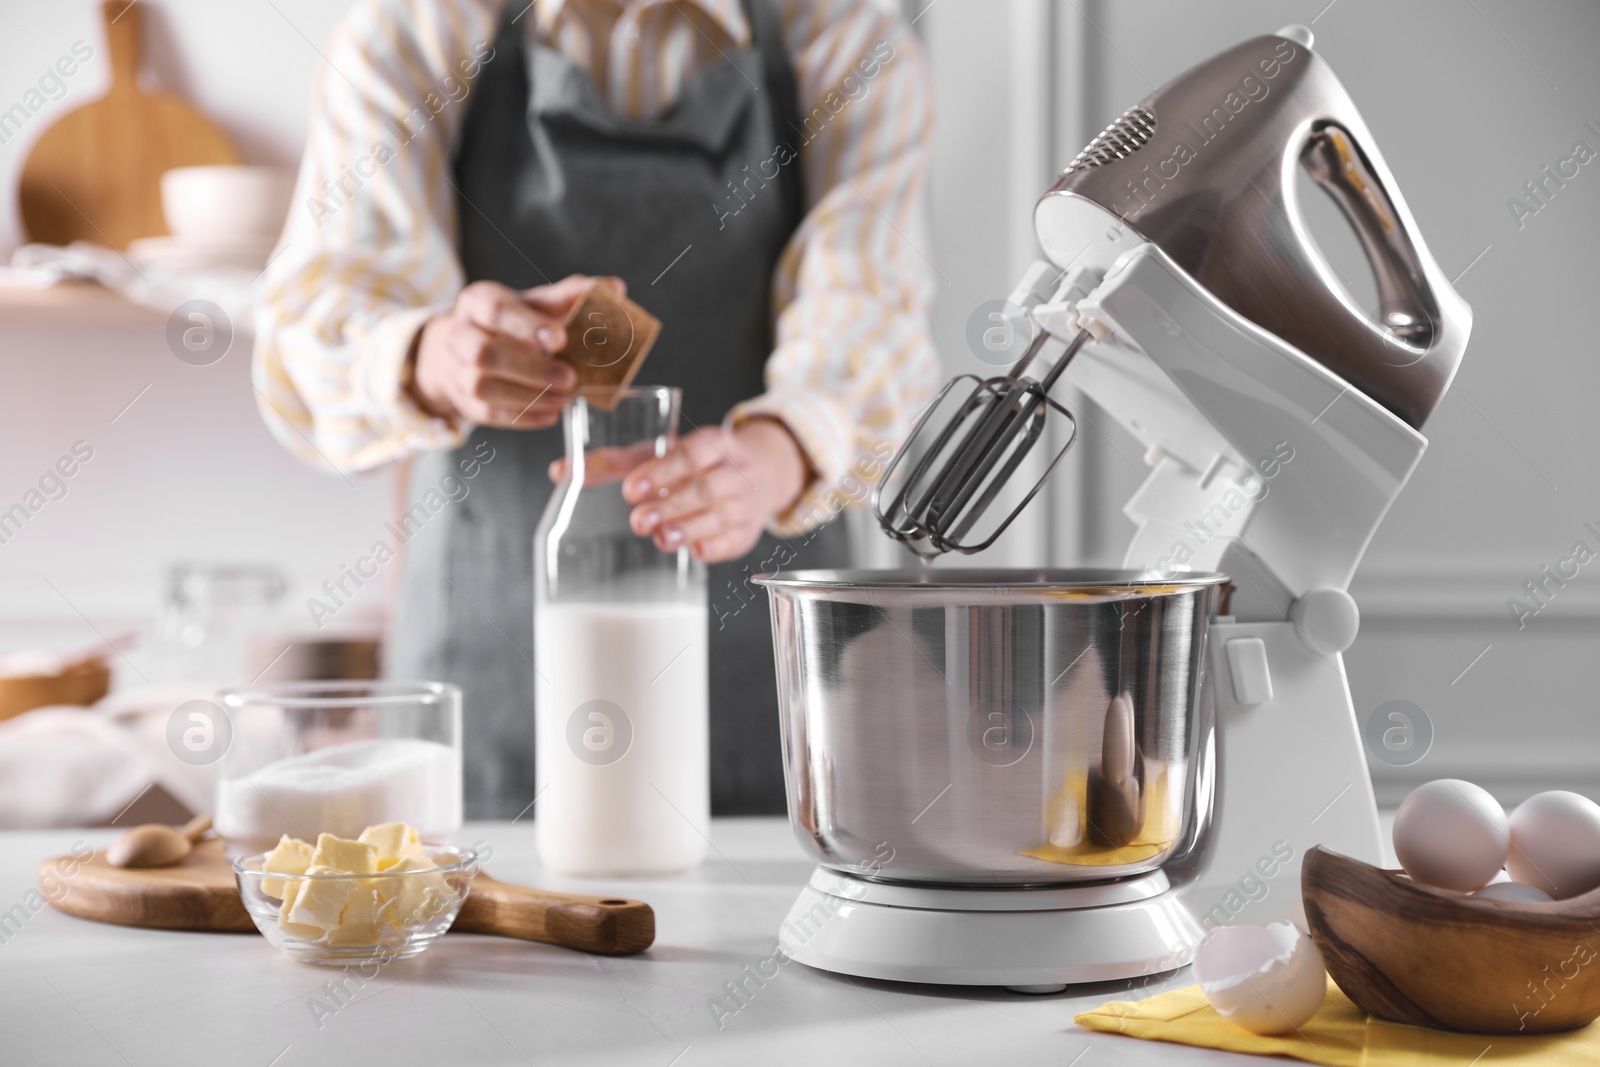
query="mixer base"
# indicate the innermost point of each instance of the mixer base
(1033, 941)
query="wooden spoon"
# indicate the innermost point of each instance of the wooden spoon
(1448, 961)
(157, 845)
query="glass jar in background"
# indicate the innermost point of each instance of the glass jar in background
(210, 615)
(620, 655)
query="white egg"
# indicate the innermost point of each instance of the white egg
(1555, 843)
(1516, 892)
(1267, 979)
(1451, 834)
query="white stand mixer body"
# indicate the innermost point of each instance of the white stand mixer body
(1267, 467)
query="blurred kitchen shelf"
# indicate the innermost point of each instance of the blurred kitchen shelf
(73, 306)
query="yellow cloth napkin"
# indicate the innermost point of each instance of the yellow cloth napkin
(1340, 1034)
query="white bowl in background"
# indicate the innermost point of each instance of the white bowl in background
(212, 203)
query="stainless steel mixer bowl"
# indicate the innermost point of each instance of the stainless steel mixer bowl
(994, 727)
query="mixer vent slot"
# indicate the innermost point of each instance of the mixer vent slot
(1118, 140)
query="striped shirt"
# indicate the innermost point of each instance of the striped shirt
(368, 253)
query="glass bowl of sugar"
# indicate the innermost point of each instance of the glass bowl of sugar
(309, 758)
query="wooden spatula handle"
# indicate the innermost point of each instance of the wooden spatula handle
(196, 828)
(122, 40)
(610, 926)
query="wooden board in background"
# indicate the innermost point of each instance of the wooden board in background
(96, 174)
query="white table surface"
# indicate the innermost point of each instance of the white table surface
(84, 993)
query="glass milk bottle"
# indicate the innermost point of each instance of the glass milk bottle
(620, 655)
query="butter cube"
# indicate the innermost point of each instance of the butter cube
(385, 891)
(369, 904)
(300, 931)
(361, 911)
(291, 856)
(394, 841)
(420, 897)
(320, 901)
(290, 891)
(350, 857)
(355, 935)
(363, 918)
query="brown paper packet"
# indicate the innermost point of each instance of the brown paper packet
(608, 337)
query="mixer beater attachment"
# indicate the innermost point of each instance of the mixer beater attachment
(959, 459)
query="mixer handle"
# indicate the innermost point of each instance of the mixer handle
(1406, 305)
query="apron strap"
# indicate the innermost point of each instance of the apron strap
(766, 35)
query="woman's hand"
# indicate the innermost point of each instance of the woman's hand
(488, 359)
(715, 491)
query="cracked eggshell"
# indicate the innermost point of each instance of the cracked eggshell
(1267, 979)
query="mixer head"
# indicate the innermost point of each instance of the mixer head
(1202, 170)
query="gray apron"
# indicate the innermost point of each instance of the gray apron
(552, 183)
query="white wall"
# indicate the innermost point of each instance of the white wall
(189, 471)
(1468, 107)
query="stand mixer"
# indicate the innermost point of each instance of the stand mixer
(1184, 295)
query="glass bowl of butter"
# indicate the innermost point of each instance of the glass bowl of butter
(381, 896)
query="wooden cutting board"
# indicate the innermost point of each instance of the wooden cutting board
(197, 894)
(201, 894)
(95, 175)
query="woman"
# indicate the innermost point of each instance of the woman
(750, 172)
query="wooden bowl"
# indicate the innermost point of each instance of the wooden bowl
(82, 683)
(1430, 957)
